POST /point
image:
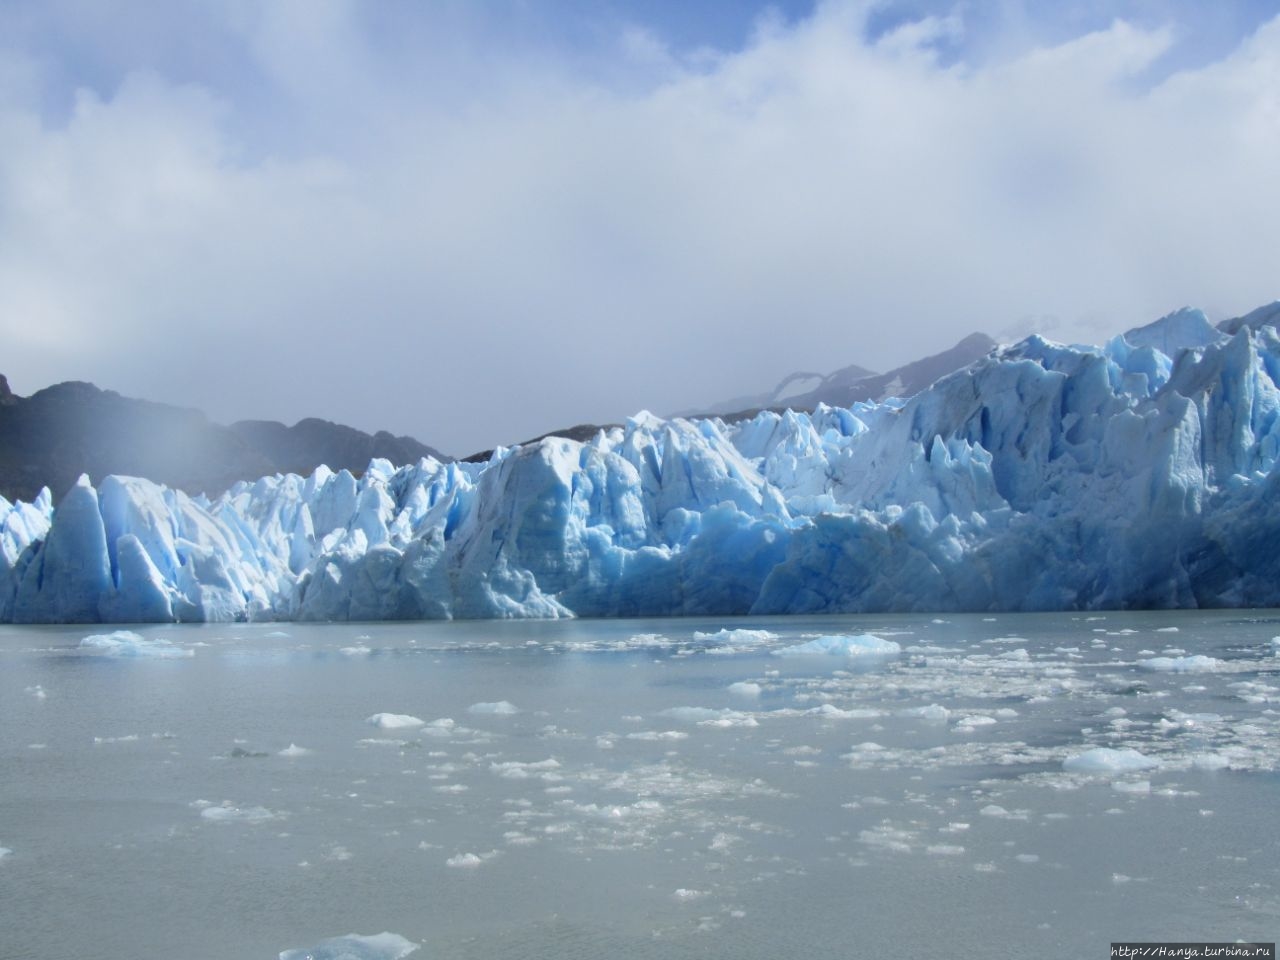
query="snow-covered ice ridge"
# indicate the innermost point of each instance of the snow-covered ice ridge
(1043, 477)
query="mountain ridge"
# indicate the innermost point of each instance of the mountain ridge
(852, 384)
(71, 428)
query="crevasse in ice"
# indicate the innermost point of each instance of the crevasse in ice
(1043, 477)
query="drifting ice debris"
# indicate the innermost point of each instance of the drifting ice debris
(126, 643)
(1195, 664)
(862, 645)
(379, 946)
(502, 708)
(1107, 760)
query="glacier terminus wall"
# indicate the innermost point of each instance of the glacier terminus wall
(1043, 477)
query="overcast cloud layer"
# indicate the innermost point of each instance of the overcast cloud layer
(475, 226)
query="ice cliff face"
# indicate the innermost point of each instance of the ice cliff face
(1140, 474)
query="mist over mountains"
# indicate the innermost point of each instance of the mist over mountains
(73, 428)
(53, 436)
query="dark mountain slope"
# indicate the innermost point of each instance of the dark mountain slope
(62, 431)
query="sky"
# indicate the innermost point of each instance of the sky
(474, 222)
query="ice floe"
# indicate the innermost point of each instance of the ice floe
(471, 860)
(710, 717)
(126, 643)
(1109, 760)
(1198, 663)
(858, 645)
(228, 813)
(501, 708)
(354, 946)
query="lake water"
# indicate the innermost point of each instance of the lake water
(638, 788)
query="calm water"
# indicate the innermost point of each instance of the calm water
(636, 789)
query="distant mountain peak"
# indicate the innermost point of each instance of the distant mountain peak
(852, 384)
(1268, 315)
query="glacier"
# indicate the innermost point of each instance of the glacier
(1138, 474)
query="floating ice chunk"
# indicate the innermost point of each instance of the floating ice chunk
(293, 750)
(520, 770)
(831, 712)
(357, 651)
(859, 645)
(739, 637)
(973, 722)
(1107, 760)
(887, 836)
(684, 893)
(126, 643)
(933, 711)
(658, 735)
(37, 691)
(723, 841)
(1194, 664)
(1131, 786)
(641, 809)
(379, 946)
(394, 721)
(470, 860)
(443, 727)
(745, 689)
(945, 850)
(502, 708)
(4, 852)
(230, 814)
(711, 718)
(1210, 761)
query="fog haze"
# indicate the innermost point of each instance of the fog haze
(473, 223)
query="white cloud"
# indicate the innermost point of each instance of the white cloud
(408, 229)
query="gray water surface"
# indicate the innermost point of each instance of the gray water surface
(639, 788)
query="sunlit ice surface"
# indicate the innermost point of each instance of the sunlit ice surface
(849, 786)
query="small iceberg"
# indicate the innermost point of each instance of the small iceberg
(502, 708)
(1195, 664)
(379, 946)
(1107, 760)
(738, 637)
(469, 861)
(126, 643)
(230, 814)
(394, 721)
(858, 645)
